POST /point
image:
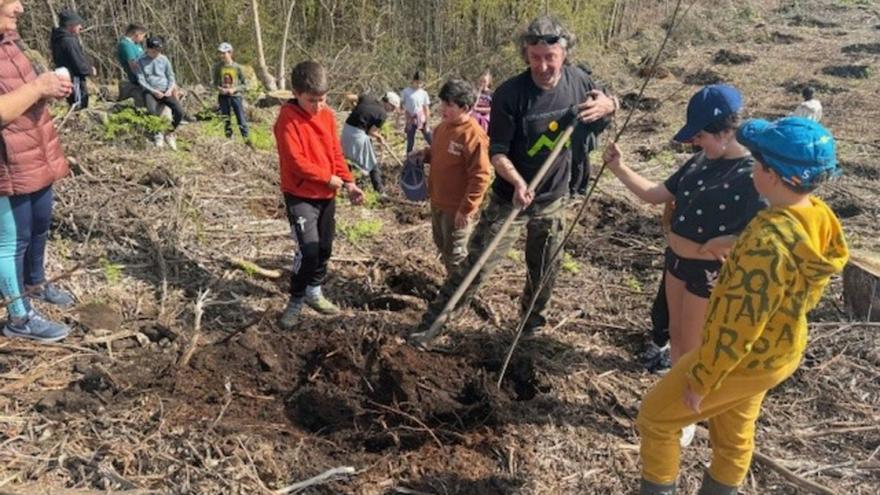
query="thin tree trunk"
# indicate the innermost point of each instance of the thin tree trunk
(262, 70)
(282, 60)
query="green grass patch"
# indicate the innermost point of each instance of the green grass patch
(570, 265)
(212, 125)
(633, 284)
(112, 271)
(132, 122)
(361, 230)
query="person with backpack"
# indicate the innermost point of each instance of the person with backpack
(530, 111)
(31, 160)
(67, 52)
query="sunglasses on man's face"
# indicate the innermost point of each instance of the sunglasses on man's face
(548, 39)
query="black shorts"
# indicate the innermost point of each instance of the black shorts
(699, 276)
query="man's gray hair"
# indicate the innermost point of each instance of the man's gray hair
(545, 25)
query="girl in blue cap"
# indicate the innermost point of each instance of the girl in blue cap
(755, 332)
(714, 199)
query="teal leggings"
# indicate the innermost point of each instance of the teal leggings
(24, 230)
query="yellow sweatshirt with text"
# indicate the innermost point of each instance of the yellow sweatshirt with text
(756, 322)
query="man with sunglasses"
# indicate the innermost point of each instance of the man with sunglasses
(530, 112)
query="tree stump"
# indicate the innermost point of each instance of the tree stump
(861, 286)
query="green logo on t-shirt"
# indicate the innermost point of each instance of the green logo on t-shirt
(543, 143)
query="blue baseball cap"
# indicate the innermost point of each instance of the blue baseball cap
(709, 105)
(800, 150)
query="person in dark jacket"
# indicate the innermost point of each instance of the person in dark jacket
(67, 51)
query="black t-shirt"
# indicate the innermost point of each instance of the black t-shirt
(713, 197)
(525, 123)
(368, 113)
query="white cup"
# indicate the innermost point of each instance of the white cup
(63, 73)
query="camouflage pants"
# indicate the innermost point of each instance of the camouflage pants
(545, 226)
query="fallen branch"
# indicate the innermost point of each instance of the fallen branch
(324, 477)
(251, 267)
(792, 477)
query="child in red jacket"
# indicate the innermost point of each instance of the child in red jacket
(312, 171)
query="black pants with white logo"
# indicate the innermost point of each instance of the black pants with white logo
(313, 225)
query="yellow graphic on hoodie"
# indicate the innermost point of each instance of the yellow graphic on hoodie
(756, 321)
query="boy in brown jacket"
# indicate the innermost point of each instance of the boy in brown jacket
(459, 174)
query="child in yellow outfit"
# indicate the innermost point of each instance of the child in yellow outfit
(756, 329)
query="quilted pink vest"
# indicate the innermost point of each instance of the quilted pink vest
(30, 152)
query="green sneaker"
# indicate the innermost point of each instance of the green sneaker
(322, 305)
(291, 313)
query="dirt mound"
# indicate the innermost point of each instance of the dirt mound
(804, 21)
(643, 103)
(703, 77)
(860, 170)
(779, 38)
(795, 86)
(858, 48)
(729, 57)
(380, 393)
(848, 71)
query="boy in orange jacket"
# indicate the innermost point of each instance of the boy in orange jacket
(460, 172)
(312, 171)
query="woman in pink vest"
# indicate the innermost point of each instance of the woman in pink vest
(31, 160)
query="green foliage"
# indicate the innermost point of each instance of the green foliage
(633, 284)
(516, 255)
(112, 271)
(361, 230)
(132, 122)
(212, 125)
(371, 199)
(570, 265)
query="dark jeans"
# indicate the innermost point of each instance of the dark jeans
(544, 225)
(411, 136)
(580, 177)
(80, 94)
(235, 104)
(24, 231)
(314, 224)
(660, 315)
(154, 105)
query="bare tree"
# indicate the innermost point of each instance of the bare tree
(262, 69)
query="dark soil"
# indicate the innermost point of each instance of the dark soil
(795, 86)
(859, 48)
(804, 21)
(703, 77)
(729, 57)
(848, 71)
(643, 103)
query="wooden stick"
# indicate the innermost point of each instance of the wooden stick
(792, 477)
(393, 155)
(251, 267)
(421, 339)
(317, 480)
(197, 329)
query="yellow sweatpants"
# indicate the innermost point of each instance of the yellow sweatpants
(731, 410)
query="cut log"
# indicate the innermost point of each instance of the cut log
(861, 289)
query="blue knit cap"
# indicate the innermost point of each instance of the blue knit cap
(800, 150)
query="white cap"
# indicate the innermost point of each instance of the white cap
(224, 47)
(392, 98)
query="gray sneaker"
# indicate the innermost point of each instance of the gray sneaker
(322, 305)
(291, 313)
(36, 327)
(52, 294)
